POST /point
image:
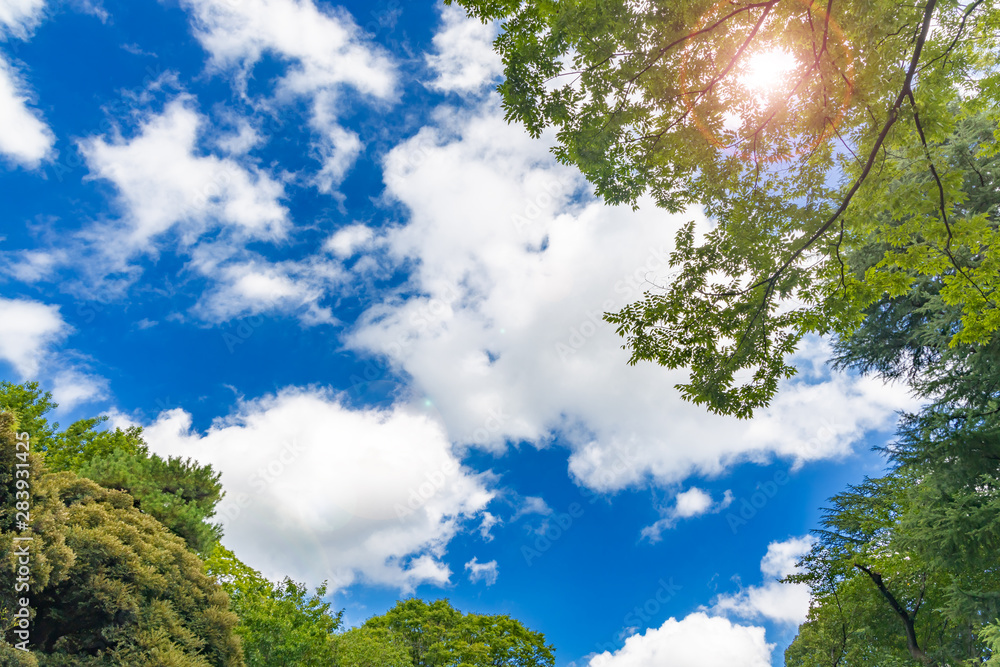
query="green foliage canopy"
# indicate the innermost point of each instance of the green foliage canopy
(653, 98)
(438, 635)
(180, 494)
(109, 585)
(876, 601)
(906, 571)
(279, 624)
(371, 647)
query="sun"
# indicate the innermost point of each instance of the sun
(767, 71)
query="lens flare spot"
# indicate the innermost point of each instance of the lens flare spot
(768, 71)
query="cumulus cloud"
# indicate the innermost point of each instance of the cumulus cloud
(205, 206)
(697, 640)
(485, 572)
(166, 185)
(316, 490)
(28, 331)
(687, 504)
(327, 56)
(463, 60)
(182, 187)
(782, 603)
(501, 322)
(253, 285)
(25, 139)
(72, 386)
(347, 241)
(31, 333)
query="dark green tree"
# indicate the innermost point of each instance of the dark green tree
(108, 584)
(876, 601)
(180, 494)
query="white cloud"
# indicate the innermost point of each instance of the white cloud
(28, 330)
(19, 17)
(175, 194)
(73, 387)
(485, 572)
(691, 503)
(532, 505)
(252, 286)
(782, 603)
(244, 139)
(464, 61)
(31, 266)
(781, 557)
(500, 324)
(487, 525)
(166, 185)
(348, 241)
(697, 640)
(24, 137)
(349, 495)
(30, 335)
(205, 206)
(326, 54)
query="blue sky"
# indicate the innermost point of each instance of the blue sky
(296, 240)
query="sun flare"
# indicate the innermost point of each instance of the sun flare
(768, 71)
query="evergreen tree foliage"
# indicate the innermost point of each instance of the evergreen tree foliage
(109, 585)
(180, 494)
(876, 601)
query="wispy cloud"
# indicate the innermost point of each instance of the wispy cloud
(25, 139)
(691, 503)
(485, 572)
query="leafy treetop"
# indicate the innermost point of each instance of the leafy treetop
(660, 98)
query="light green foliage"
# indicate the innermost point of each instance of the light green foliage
(371, 647)
(651, 98)
(109, 585)
(931, 529)
(438, 635)
(280, 624)
(12, 657)
(875, 600)
(29, 405)
(991, 635)
(180, 494)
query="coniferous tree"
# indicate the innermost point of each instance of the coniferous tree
(108, 584)
(180, 494)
